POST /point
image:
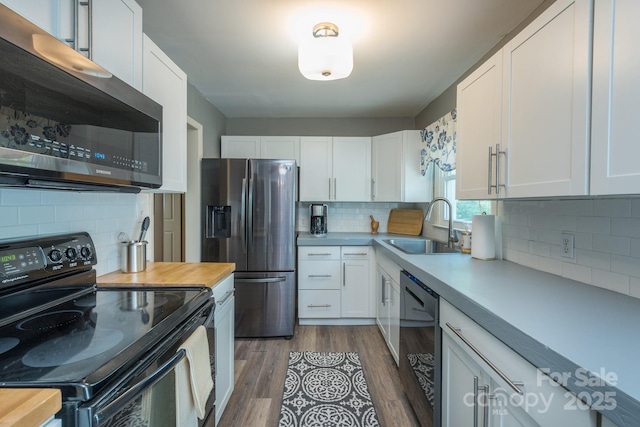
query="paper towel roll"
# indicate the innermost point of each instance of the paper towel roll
(483, 245)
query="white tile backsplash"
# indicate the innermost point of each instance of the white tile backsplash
(350, 217)
(607, 239)
(102, 215)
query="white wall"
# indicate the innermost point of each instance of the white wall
(102, 215)
(607, 239)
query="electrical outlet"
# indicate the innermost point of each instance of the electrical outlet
(566, 245)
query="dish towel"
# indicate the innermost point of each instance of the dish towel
(185, 409)
(197, 349)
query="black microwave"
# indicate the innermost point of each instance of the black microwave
(66, 122)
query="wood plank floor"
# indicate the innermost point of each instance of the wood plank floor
(261, 366)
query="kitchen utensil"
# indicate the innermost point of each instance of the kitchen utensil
(374, 225)
(133, 256)
(405, 221)
(145, 226)
(123, 237)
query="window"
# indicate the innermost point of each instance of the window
(463, 210)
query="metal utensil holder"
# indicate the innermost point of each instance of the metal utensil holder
(133, 256)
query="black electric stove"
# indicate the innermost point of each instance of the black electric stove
(57, 329)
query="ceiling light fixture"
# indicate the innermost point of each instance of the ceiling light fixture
(325, 56)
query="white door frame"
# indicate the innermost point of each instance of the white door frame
(192, 228)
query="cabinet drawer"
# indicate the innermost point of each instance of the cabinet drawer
(531, 381)
(355, 252)
(223, 289)
(319, 252)
(319, 274)
(390, 267)
(318, 304)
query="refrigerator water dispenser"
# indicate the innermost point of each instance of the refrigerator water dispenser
(218, 221)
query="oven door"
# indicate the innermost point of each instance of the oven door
(146, 397)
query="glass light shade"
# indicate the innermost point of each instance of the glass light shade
(325, 58)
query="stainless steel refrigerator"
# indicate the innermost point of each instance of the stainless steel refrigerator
(249, 219)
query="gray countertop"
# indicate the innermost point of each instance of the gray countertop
(555, 323)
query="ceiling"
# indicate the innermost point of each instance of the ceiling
(242, 54)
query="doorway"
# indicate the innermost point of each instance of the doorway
(177, 215)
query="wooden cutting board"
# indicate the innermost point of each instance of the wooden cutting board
(405, 221)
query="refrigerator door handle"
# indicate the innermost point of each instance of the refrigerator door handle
(250, 214)
(265, 280)
(243, 230)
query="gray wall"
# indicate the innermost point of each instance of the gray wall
(447, 100)
(318, 126)
(212, 120)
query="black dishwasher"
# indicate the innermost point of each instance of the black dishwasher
(420, 348)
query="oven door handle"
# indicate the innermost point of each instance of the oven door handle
(118, 404)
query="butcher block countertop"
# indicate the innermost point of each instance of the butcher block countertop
(170, 274)
(28, 407)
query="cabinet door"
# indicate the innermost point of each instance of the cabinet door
(394, 319)
(119, 51)
(240, 147)
(386, 160)
(224, 324)
(382, 306)
(546, 94)
(614, 149)
(166, 83)
(479, 118)
(281, 147)
(315, 175)
(352, 169)
(43, 13)
(460, 375)
(356, 289)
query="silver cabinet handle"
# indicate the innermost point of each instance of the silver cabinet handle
(329, 188)
(489, 186)
(373, 189)
(227, 295)
(325, 254)
(319, 305)
(357, 254)
(319, 275)
(344, 274)
(335, 189)
(513, 384)
(384, 290)
(476, 394)
(498, 153)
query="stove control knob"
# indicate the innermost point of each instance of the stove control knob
(55, 255)
(85, 252)
(71, 253)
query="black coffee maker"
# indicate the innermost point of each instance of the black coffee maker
(318, 219)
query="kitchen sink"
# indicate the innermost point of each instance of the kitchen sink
(420, 246)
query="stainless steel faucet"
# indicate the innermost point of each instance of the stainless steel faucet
(452, 237)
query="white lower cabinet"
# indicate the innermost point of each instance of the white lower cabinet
(485, 383)
(388, 303)
(224, 319)
(334, 285)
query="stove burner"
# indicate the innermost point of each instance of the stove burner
(73, 348)
(7, 343)
(51, 320)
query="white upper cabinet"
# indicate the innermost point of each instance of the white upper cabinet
(395, 169)
(43, 13)
(120, 52)
(539, 135)
(479, 129)
(240, 147)
(546, 95)
(335, 169)
(166, 83)
(260, 147)
(616, 90)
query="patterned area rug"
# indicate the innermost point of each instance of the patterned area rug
(326, 389)
(422, 365)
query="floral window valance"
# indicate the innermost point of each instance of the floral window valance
(439, 139)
